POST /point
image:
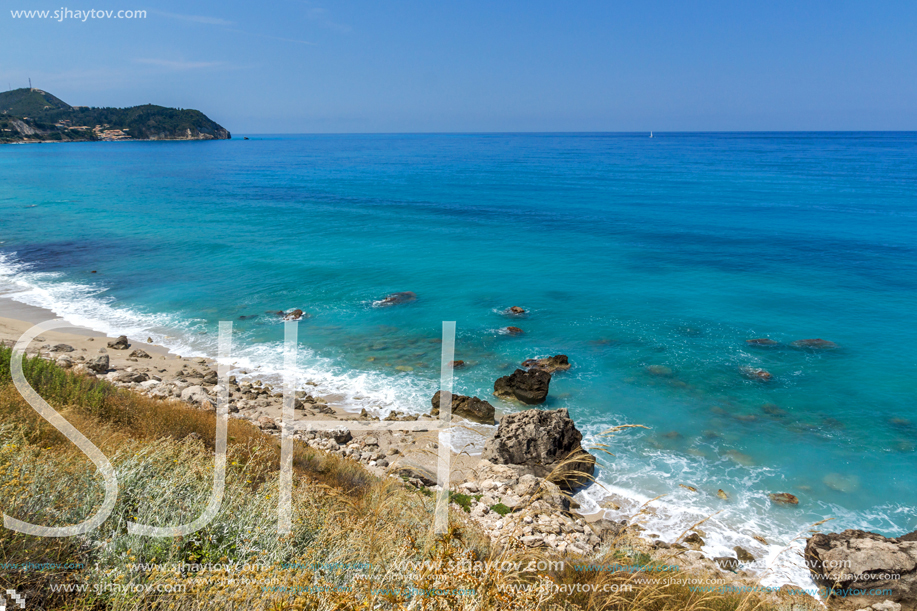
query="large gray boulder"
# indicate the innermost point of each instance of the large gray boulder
(98, 365)
(119, 344)
(530, 387)
(857, 562)
(471, 408)
(547, 442)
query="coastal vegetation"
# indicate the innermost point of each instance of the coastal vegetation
(32, 115)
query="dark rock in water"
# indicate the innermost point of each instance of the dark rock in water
(761, 341)
(471, 408)
(276, 312)
(295, 314)
(546, 442)
(859, 562)
(119, 344)
(99, 364)
(784, 498)
(516, 310)
(62, 348)
(396, 298)
(756, 373)
(550, 364)
(458, 364)
(514, 330)
(694, 539)
(772, 410)
(139, 354)
(814, 344)
(660, 370)
(248, 316)
(530, 387)
(743, 554)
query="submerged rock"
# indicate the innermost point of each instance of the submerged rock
(396, 299)
(458, 364)
(814, 344)
(861, 562)
(529, 387)
(550, 364)
(514, 330)
(842, 483)
(547, 442)
(660, 370)
(756, 373)
(471, 408)
(119, 344)
(773, 410)
(761, 341)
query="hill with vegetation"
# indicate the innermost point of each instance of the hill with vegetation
(33, 115)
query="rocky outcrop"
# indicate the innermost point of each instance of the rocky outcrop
(547, 442)
(396, 299)
(530, 387)
(513, 331)
(857, 561)
(558, 362)
(761, 341)
(119, 344)
(295, 314)
(516, 310)
(471, 408)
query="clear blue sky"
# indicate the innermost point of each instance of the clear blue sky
(429, 65)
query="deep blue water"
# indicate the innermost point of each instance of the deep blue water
(628, 252)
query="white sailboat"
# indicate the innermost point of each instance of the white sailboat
(651, 134)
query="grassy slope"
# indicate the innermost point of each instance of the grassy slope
(351, 531)
(29, 102)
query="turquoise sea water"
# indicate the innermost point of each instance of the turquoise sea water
(648, 261)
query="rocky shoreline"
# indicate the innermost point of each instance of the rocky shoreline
(517, 491)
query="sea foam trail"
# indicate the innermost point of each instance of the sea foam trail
(89, 306)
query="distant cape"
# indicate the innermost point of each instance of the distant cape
(33, 115)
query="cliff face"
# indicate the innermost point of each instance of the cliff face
(36, 116)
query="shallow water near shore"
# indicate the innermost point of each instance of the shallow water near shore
(648, 262)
